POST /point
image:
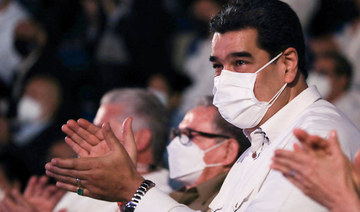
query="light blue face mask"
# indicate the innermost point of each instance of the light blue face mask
(186, 161)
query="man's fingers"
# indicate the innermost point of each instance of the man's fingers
(287, 162)
(40, 185)
(76, 138)
(57, 195)
(73, 163)
(333, 143)
(295, 180)
(8, 203)
(77, 149)
(301, 135)
(90, 127)
(83, 133)
(72, 188)
(30, 188)
(110, 138)
(128, 139)
(62, 178)
(310, 142)
(57, 172)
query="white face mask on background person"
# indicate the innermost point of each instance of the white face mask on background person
(28, 110)
(234, 97)
(321, 81)
(160, 95)
(186, 161)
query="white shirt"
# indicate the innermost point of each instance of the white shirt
(161, 179)
(250, 184)
(9, 17)
(73, 202)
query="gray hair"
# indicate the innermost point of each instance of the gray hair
(223, 127)
(147, 112)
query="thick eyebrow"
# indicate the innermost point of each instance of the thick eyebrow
(240, 54)
(234, 54)
(212, 58)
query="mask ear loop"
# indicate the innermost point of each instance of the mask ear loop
(272, 100)
(268, 63)
(211, 148)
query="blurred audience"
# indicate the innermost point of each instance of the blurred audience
(208, 146)
(5, 135)
(347, 42)
(36, 126)
(196, 62)
(305, 10)
(37, 197)
(332, 74)
(13, 172)
(169, 87)
(10, 14)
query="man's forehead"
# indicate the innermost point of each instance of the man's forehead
(198, 117)
(239, 41)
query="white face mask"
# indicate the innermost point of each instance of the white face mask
(234, 97)
(322, 83)
(186, 161)
(160, 95)
(29, 110)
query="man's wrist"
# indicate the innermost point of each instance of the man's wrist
(348, 202)
(138, 195)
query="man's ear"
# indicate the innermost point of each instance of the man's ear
(291, 62)
(143, 139)
(232, 150)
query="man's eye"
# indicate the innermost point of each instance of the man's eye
(240, 62)
(217, 66)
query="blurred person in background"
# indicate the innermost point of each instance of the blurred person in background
(40, 193)
(169, 87)
(196, 63)
(205, 138)
(338, 30)
(38, 58)
(348, 42)
(10, 14)
(124, 51)
(150, 132)
(36, 125)
(332, 74)
(305, 10)
(13, 173)
(37, 197)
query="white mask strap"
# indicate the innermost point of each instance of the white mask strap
(271, 61)
(272, 100)
(211, 148)
(215, 146)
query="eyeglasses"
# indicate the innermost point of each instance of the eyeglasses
(190, 134)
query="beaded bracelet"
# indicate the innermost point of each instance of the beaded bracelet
(140, 192)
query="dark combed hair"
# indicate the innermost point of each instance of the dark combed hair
(277, 25)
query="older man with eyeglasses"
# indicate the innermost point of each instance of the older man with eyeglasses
(201, 152)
